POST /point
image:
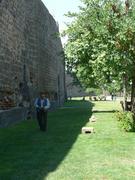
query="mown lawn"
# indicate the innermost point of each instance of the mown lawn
(63, 153)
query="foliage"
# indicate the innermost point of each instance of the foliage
(94, 91)
(126, 121)
(101, 43)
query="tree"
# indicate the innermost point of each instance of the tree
(101, 44)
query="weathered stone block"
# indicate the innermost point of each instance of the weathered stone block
(86, 130)
(92, 119)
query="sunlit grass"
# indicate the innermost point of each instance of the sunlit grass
(107, 105)
(63, 153)
(107, 154)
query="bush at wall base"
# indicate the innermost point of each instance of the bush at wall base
(126, 121)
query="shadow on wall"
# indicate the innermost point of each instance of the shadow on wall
(30, 154)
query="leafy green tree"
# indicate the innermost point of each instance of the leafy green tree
(101, 44)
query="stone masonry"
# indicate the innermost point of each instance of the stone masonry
(73, 89)
(31, 54)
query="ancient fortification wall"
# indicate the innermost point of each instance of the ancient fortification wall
(31, 58)
(31, 54)
(73, 89)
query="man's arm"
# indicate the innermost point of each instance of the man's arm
(36, 103)
(48, 104)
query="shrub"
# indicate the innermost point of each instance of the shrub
(126, 121)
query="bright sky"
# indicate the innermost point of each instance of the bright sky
(58, 8)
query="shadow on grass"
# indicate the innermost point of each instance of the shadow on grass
(103, 111)
(28, 154)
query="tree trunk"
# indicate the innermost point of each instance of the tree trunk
(125, 92)
(133, 95)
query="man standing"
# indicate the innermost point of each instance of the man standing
(42, 105)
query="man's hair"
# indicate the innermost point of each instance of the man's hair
(44, 93)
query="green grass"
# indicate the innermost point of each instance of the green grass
(107, 105)
(63, 153)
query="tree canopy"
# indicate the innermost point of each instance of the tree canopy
(101, 43)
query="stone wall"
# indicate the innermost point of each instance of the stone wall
(73, 89)
(9, 117)
(31, 54)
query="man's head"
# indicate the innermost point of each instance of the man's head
(42, 95)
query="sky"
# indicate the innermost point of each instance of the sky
(58, 8)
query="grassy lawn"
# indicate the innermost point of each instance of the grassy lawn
(63, 153)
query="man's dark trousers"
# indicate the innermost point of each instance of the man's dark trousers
(42, 119)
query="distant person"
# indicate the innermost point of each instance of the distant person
(112, 96)
(42, 105)
(115, 97)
